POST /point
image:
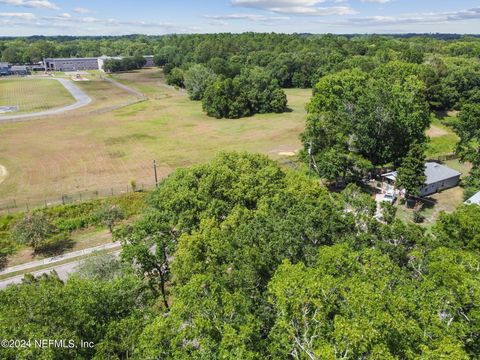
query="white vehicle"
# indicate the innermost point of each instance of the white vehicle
(390, 197)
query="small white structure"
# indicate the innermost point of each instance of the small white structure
(474, 200)
(439, 177)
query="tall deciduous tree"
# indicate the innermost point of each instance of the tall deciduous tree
(468, 128)
(411, 174)
(197, 79)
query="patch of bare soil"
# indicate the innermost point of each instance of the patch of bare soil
(435, 131)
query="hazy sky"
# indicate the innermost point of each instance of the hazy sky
(108, 17)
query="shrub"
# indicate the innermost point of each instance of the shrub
(108, 215)
(175, 77)
(7, 247)
(388, 212)
(33, 230)
(418, 218)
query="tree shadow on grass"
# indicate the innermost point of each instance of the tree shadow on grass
(56, 245)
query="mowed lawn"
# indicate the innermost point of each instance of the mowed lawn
(33, 95)
(109, 146)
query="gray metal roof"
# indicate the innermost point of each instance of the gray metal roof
(71, 59)
(18, 68)
(433, 171)
(4, 64)
(436, 172)
(475, 199)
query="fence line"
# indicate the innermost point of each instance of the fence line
(451, 156)
(15, 205)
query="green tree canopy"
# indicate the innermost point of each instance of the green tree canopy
(254, 91)
(411, 174)
(197, 79)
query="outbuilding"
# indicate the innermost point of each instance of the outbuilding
(474, 200)
(438, 177)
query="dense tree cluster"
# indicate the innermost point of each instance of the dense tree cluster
(110, 313)
(254, 91)
(448, 65)
(359, 120)
(124, 64)
(240, 259)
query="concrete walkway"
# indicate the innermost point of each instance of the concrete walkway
(63, 271)
(56, 259)
(82, 99)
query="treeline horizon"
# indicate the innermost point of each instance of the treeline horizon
(442, 36)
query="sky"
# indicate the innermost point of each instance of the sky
(109, 17)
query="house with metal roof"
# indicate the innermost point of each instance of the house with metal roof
(475, 199)
(438, 177)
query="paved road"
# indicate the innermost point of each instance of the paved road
(63, 271)
(59, 258)
(81, 98)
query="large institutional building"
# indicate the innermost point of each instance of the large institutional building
(76, 64)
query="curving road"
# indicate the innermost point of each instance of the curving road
(81, 99)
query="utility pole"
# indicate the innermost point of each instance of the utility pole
(155, 172)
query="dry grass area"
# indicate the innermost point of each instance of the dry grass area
(447, 200)
(33, 95)
(104, 145)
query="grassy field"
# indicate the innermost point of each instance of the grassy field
(32, 95)
(442, 139)
(106, 145)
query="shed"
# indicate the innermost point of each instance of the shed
(475, 199)
(439, 177)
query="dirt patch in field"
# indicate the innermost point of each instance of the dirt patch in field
(435, 131)
(3, 173)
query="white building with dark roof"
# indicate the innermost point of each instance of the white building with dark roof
(439, 177)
